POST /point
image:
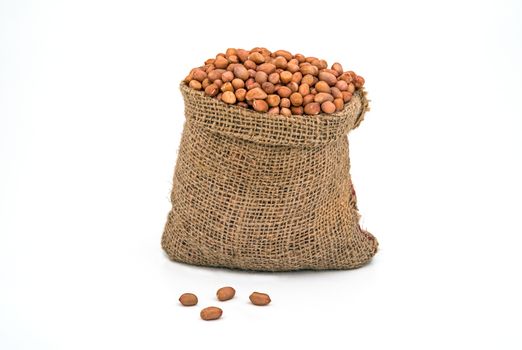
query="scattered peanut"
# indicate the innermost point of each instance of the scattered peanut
(188, 299)
(225, 293)
(211, 313)
(259, 299)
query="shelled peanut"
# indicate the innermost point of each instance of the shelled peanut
(275, 82)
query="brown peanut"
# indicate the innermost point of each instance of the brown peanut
(308, 98)
(328, 107)
(241, 94)
(228, 97)
(309, 69)
(273, 100)
(285, 77)
(259, 299)
(227, 76)
(323, 96)
(338, 68)
(287, 55)
(286, 111)
(188, 299)
(274, 110)
(238, 83)
(256, 57)
(211, 313)
(241, 72)
(284, 91)
(274, 78)
(199, 75)
(312, 108)
(221, 62)
(327, 77)
(212, 90)
(268, 87)
(280, 62)
(256, 93)
(322, 86)
(194, 84)
(268, 68)
(260, 105)
(296, 99)
(285, 102)
(225, 293)
(339, 104)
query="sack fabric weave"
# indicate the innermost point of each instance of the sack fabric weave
(265, 192)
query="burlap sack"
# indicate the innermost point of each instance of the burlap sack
(265, 192)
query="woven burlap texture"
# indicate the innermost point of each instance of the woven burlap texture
(265, 192)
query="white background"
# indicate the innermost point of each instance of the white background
(90, 123)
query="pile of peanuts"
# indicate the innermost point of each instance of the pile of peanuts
(223, 294)
(275, 82)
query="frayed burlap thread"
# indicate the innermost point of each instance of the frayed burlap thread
(265, 192)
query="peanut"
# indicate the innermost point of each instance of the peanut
(215, 74)
(268, 68)
(329, 78)
(308, 98)
(286, 77)
(273, 100)
(336, 93)
(227, 76)
(238, 83)
(341, 85)
(287, 55)
(322, 86)
(328, 107)
(228, 97)
(268, 87)
(285, 102)
(280, 62)
(297, 110)
(337, 67)
(212, 90)
(188, 299)
(339, 104)
(284, 91)
(221, 62)
(309, 69)
(199, 75)
(347, 96)
(286, 111)
(256, 93)
(225, 293)
(322, 96)
(241, 72)
(259, 299)
(273, 110)
(260, 105)
(211, 313)
(227, 87)
(312, 108)
(256, 57)
(304, 89)
(241, 94)
(296, 99)
(194, 84)
(274, 78)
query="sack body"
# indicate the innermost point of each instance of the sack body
(265, 192)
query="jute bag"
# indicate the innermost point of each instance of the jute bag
(265, 192)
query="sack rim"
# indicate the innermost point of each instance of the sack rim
(255, 126)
